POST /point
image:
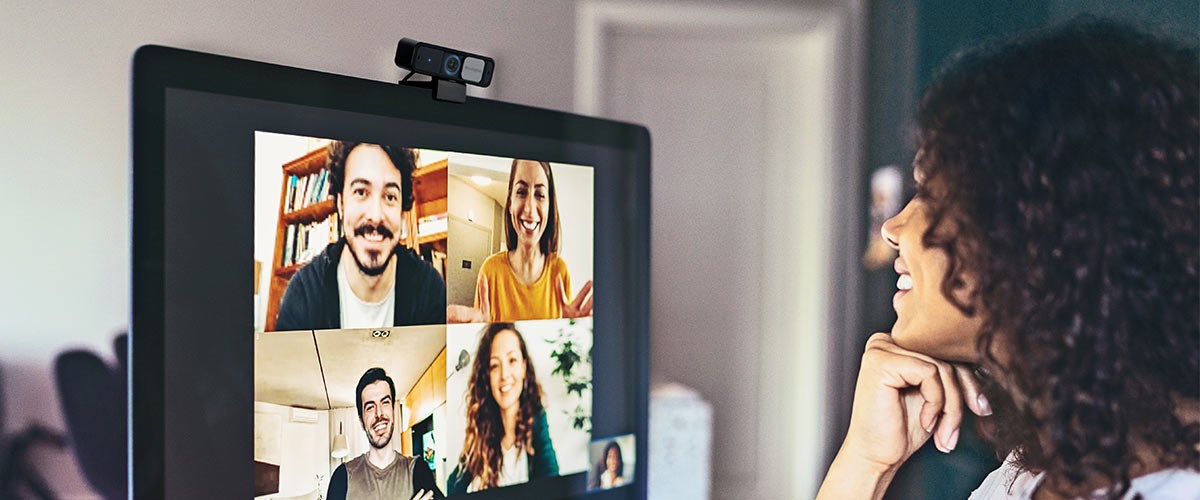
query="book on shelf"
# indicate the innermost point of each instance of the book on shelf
(288, 238)
(304, 191)
(432, 224)
(305, 241)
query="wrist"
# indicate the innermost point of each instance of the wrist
(861, 459)
(853, 476)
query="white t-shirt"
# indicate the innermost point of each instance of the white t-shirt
(610, 481)
(357, 313)
(514, 469)
(1167, 484)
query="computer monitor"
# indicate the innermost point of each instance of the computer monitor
(343, 285)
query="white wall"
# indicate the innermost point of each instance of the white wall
(301, 450)
(576, 190)
(469, 203)
(64, 139)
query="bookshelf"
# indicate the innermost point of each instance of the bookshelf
(308, 220)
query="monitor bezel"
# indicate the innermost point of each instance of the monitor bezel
(157, 69)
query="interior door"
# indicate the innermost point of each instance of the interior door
(739, 213)
(467, 247)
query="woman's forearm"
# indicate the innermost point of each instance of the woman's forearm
(852, 479)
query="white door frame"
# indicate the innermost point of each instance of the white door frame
(835, 35)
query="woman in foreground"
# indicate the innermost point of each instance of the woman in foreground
(1048, 275)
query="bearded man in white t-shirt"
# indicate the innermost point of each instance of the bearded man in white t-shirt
(368, 278)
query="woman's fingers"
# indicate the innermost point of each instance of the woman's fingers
(560, 289)
(463, 314)
(582, 305)
(483, 299)
(586, 309)
(939, 385)
(972, 393)
(946, 434)
(900, 371)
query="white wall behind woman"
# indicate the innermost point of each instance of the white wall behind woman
(576, 210)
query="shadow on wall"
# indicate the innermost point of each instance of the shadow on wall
(19, 474)
(86, 461)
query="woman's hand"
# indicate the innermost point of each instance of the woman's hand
(481, 313)
(581, 306)
(456, 314)
(423, 495)
(901, 400)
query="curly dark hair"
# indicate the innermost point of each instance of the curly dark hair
(1062, 174)
(405, 160)
(481, 455)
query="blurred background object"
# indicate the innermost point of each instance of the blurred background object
(93, 402)
(680, 446)
(19, 475)
(768, 118)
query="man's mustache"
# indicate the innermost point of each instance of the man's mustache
(368, 228)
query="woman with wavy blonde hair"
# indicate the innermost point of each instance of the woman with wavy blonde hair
(507, 439)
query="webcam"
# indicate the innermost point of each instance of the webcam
(446, 64)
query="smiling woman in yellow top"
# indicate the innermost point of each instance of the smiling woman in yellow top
(529, 280)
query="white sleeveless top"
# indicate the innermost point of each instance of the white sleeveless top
(1167, 484)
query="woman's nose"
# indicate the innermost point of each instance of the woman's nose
(890, 231)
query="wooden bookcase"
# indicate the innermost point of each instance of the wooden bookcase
(429, 199)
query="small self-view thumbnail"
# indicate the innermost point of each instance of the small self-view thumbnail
(613, 461)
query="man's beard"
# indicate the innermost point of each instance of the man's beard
(362, 266)
(383, 441)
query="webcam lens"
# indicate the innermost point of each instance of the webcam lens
(451, 65)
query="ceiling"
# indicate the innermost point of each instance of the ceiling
(491, 170)
(289, 372)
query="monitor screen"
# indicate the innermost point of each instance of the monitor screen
(446, 298)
